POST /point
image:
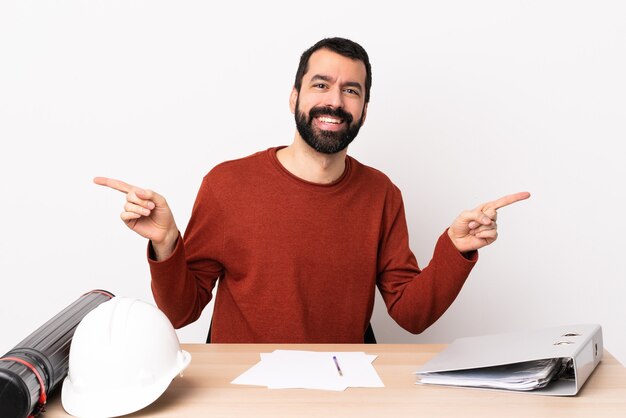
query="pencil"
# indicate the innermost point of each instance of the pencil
(337, 364)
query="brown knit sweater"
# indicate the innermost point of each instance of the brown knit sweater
(299, 262)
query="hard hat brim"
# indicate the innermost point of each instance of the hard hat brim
(115, 401)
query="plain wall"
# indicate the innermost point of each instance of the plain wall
(470, 101)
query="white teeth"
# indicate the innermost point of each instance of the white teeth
(329, 120)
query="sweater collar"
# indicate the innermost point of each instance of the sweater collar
(271, 153)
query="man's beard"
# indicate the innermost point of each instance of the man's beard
(326, 142)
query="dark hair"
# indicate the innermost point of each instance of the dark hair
(341, 46)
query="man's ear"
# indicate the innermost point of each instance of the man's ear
(364, 114)
(293, 98)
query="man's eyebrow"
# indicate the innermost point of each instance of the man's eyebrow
(353, 84)
(322, 77)
(317, 77)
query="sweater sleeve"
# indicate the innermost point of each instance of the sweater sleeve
(416, 298)
(182, 284)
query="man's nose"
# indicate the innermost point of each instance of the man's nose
(334, 98)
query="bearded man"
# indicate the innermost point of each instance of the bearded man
(298, 238)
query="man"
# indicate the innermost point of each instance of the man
(300, 236)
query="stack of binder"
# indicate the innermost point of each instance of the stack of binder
(549, 361)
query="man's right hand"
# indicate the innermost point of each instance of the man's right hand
(148, 214)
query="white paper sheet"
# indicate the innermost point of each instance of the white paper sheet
(284, 369)
(527, 375)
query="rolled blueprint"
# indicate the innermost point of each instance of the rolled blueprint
(38, 364)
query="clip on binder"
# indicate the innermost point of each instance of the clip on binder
(550, 361)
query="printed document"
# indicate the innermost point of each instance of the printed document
(337, 371)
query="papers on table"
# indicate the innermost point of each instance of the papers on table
(528, 375)
(284, 369)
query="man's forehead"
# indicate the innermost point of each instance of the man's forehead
(327, 63)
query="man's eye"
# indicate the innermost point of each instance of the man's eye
(319, 85)
(352, 91)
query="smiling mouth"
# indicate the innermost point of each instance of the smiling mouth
(330, 120)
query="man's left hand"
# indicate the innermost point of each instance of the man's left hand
(474, 229)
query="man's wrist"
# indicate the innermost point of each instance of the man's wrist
(469, 254)
(164, 249)
(452, 240)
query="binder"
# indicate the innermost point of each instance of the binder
(582, 344)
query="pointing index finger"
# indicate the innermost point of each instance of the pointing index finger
(113, 184)
(507, 200)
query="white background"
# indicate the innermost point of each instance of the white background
(470, 101)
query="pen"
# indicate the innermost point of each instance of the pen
(337, 364)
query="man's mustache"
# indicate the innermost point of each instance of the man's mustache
(329, 111)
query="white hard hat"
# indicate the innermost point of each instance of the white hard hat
(124, 355)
